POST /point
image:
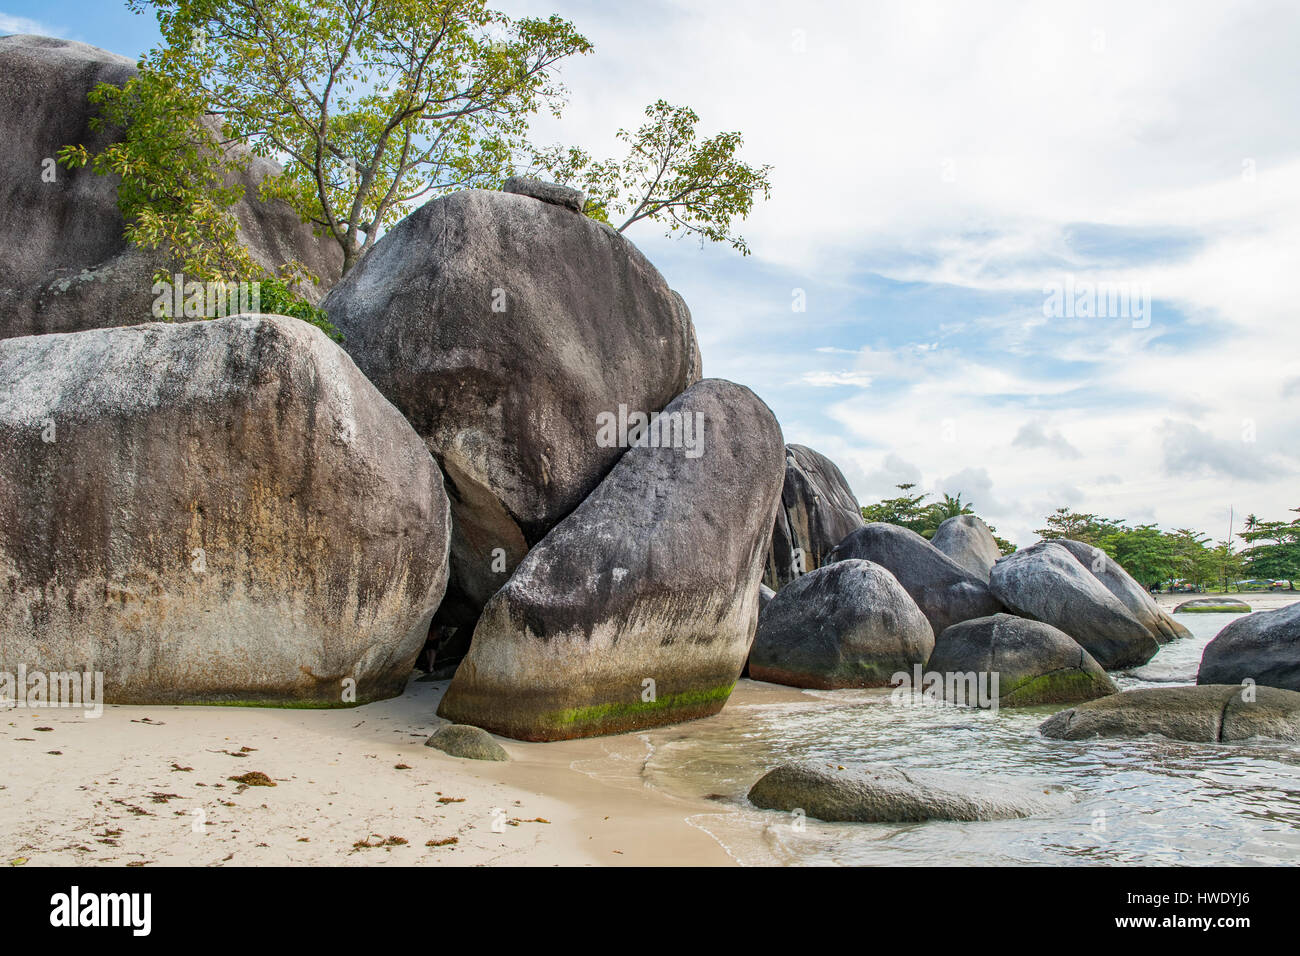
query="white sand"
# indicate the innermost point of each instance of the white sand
(112, 794)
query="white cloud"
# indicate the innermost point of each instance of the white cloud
(13, 24)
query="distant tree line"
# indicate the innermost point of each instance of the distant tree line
(1270, 551)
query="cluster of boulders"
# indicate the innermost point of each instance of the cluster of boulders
(513, 444)
(1048, 620)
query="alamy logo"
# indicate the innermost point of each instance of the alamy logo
(69, 689)
(204, 300)
(655, 430)
(74, 908)
(965, 689)
(1098, 300)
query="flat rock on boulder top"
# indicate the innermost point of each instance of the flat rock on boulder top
(1047, 583)
(1035, 662)
(848, 624)
(1207, 713)
(968, 541)
(639, 608)
(66, 266)
(1127, 590)
(553, 193)
(945, 592)
(817, 511)
(1263, 647)
(504, 329)
(220, 511)
(892, 795)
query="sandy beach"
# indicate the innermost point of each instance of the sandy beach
(152, 785)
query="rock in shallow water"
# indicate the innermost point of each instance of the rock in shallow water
(639, 608)
(849, 624)
(891, 795)
(1047, 583)
(1216, 605)
(1035, 662)
(212, 511)
(1208, 713)
(503, 328)
(1263, 647)
(1126, 590)
(462, 740)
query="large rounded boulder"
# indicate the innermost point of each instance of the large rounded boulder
(945, 592)
(1263, 647)
(968, 541)
(210, 512)
(639, 608)
(848, 624)
(1035, 663)
(817, 512)
(1127, 590)
(67, 266)
(526, 343)
(1046, 583)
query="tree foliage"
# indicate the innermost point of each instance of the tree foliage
(912, 511)
(670, 175)
(370, 104)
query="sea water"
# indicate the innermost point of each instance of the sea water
(1148, 801)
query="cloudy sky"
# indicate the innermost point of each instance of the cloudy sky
(944, 172)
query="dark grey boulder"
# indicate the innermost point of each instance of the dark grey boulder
(462, 740)
(848, 624)
(765, 594)
(508, 330)
(1127, 590)
(66, 266)
(817, 511)
(1207, 713)
(213, 511)
(1035, 662)
(968, 541)
(884, 794)
(1222, 605)
(1046, 583)
(945, 592)
(553, 193)
(639, 608)
(1263, 647)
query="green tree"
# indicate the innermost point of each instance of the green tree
(911, 511)
(1077, 526)
(1274, 549)
(670, 175)
(1144, 552)
(370, 104)
(907, 510)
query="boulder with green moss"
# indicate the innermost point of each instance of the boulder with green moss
(637, 609)
(1035, 663)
